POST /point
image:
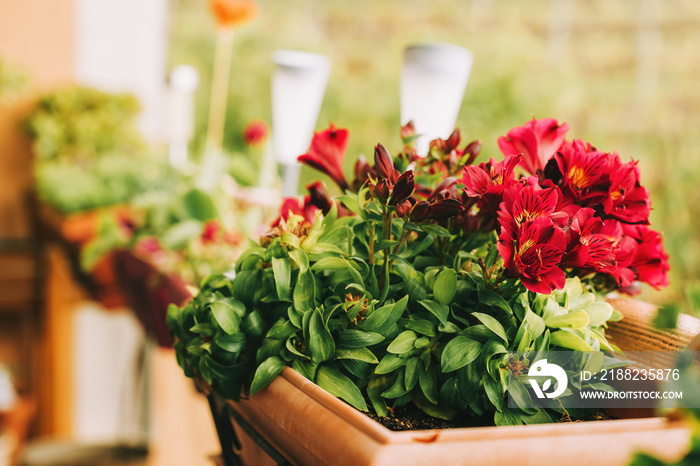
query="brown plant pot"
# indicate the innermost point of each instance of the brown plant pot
(73, 232)
(309, 426)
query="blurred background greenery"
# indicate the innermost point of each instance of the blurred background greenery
(622, 74)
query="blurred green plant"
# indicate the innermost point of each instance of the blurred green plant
(12, 81)
(107, 181)
(80, 125)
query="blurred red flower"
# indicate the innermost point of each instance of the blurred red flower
(255, 133)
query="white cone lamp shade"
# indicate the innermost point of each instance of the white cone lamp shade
(433, 79)
(298, 85)
(184, 81)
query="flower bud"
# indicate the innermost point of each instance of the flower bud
(452, 141)
(445, 208)
(362, 170)
(403, 208)
(471, 151)
(402, 189)
(380, 191)
(318, 197)
(408, 130)
(384, 164)
(420, 211)
(445, 185)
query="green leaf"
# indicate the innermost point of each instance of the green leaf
(568, 340)
(338, 385)
(433, 409)
(301, 259)
(389, 363)
(521, 397)
(304, 292)
(428, 384)
(494, 392)
(459, 352)
(375, 387)
(492, 324)
(283, 274)
(435, 230)
(234, 343)
(226, 317)
(382, 319)
(199, 205)
(507, 417)
(422, 326)
(398, 389)
(440, 311)
(413, 369)
(402, 343)
(490, 298)
(352, 338)
(598, 312)
(360, 354)
(535, 324)
(574, 319)
(445, 286)
(265, 373)
(321, 343)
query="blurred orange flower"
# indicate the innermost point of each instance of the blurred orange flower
(232, 13)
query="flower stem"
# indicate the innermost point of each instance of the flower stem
(371, 244)
(219, 90)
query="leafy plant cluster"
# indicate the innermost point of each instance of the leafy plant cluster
(411, 325)
(414, 287)
(81, 124)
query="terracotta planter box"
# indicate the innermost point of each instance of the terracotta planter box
(72, 232)
(311, 427)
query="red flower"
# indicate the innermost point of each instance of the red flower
(537, 140)
(255, 132)
(491, 177)
(587, 247)
(326, 154)
(487, 181)
(534, 254)
(584, 171)
(524, 202)
(650, 262)
(627, 200)
(293, 206)
(210, 232)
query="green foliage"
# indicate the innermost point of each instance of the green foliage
(380, 326)
(82, 124)
(107, 181)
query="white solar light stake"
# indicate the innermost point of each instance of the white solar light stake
(184, 80)
(433, 79)
(298, 85)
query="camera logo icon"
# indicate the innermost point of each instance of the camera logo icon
(543, 369)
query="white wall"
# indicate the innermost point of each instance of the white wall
(121, 47)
